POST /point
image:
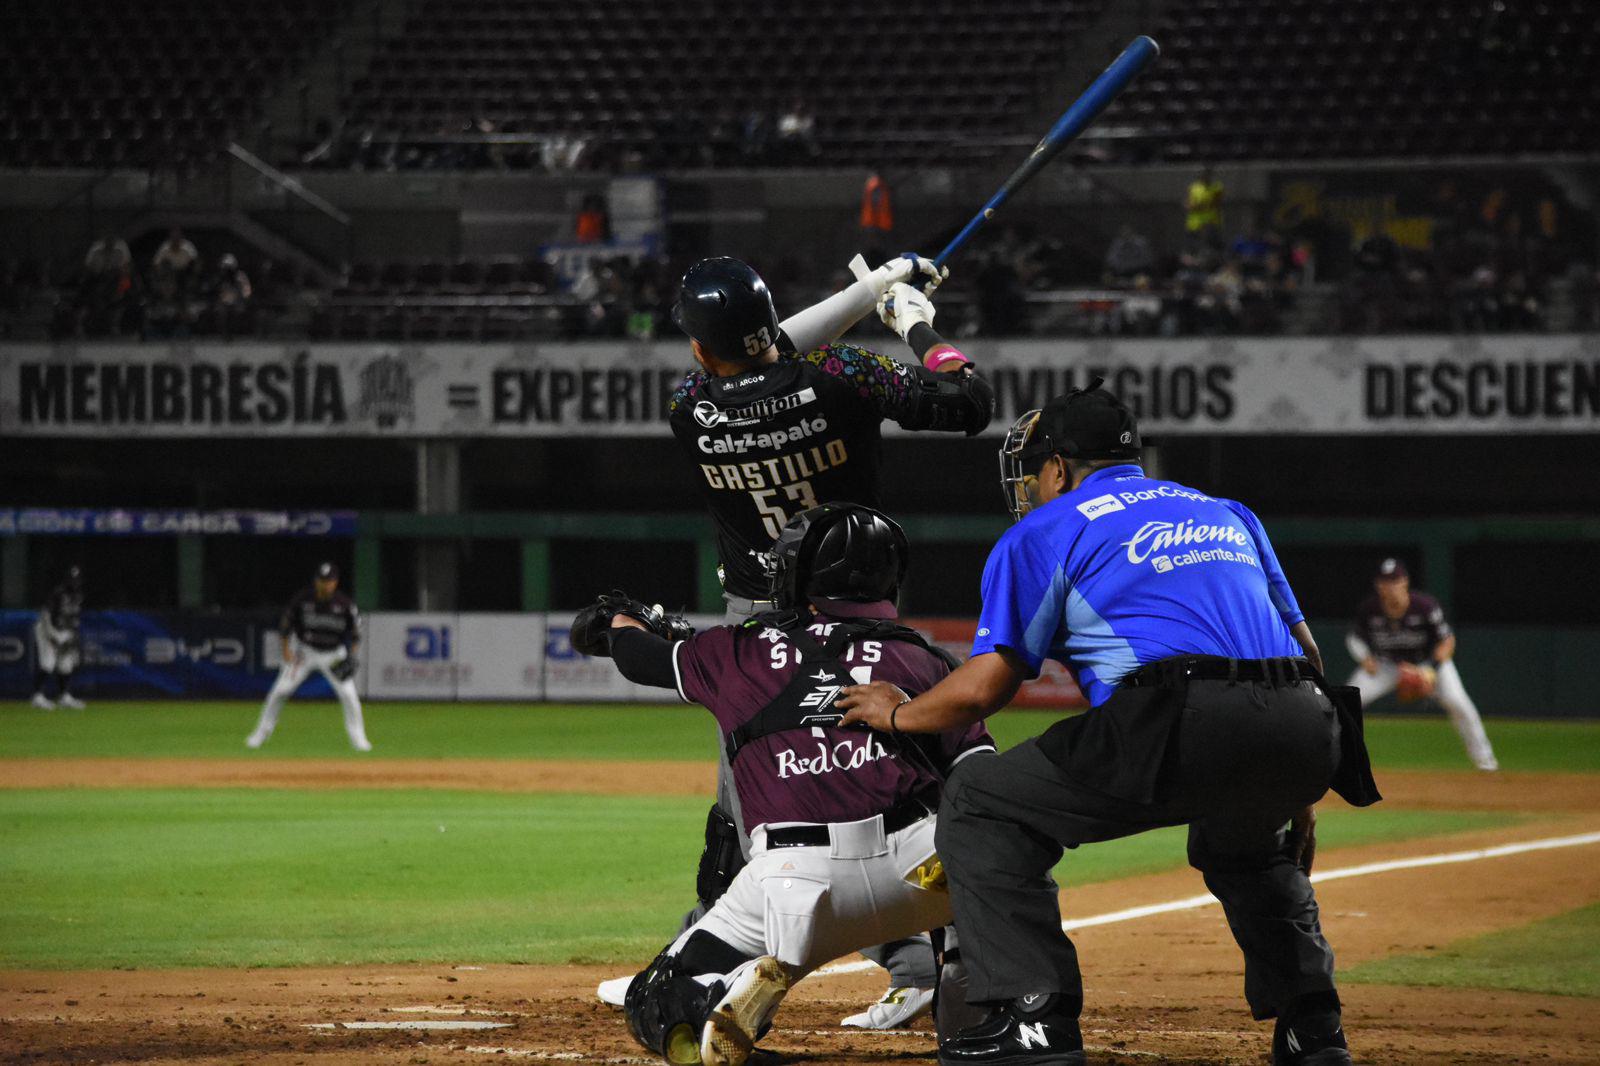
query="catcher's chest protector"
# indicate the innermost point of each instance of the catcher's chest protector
(807, 700)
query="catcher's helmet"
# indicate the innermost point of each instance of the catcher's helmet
(1088, 423)
(725, 305)
(839, 551)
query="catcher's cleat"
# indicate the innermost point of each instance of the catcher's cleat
(1034, 1030)
(898, 1008)
(742, 1015)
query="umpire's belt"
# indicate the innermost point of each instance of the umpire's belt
(1278, 673)
(895, 819)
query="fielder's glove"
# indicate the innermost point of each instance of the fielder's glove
(345, 668)
(591, 629)
(909, 269)
(903, 307)
(1415, 682)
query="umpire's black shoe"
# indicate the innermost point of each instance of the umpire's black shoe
(1305, 1042)
(1039, 1030)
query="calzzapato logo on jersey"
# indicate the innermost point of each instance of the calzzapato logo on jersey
(1169, 538)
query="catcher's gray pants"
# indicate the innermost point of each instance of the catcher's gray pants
(1248, 757)
(909, 962)
(1449, 693)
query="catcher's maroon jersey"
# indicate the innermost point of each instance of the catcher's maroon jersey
(817, 773)
(1410, 638)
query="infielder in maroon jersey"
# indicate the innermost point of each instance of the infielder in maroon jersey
(1400, 639)
(840, 820)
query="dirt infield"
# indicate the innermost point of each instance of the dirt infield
(1160, 989)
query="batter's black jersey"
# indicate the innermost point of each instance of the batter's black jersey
(794, 434)
(64, 608)
(321, 624)
(1410, 638)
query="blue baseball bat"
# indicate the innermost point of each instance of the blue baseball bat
(1074, 121)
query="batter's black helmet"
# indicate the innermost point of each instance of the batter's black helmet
(839, 551)
(725, 305)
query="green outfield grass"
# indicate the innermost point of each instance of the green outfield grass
(95, 878)
(625, 731)
(1556, 956)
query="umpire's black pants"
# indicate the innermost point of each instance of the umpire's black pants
(1243, 759)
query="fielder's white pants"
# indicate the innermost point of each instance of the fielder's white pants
(809, 906)
(1450, 693)
(291, 675)
(58, 649)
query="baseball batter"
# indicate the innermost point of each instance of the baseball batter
(320, 631)
(779, 419)
(1400, 640)
(840, 821)
(57, 647)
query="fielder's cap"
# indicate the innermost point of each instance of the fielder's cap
(327, 572)
(1087, 423)
(1391, 570)
(724, 304)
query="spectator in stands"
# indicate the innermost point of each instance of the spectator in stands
(174, 275)
(593, 224)
(1129, 256)
(231, 298)
(108, 286)
(754, 136)
(797, 132)
(1142, 312)
(877, 218)
(1203, 206)
(177, 255)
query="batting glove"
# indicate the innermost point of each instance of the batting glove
(903, 307)
(908, 269)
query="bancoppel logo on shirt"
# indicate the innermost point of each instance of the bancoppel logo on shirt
(1100, 505)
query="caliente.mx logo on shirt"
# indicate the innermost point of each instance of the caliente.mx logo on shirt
(1159, 536)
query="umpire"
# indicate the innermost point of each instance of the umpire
(1208, 709)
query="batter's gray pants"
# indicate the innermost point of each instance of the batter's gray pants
(1248, 757)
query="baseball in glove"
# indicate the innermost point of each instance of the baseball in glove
(591, 629)
(1416, 682)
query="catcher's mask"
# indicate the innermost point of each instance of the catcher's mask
(1087, 423)
(839, 551)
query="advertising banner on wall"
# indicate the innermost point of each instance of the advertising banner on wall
(145, 655)
(1518, 383)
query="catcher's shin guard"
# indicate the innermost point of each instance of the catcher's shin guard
(721, 860)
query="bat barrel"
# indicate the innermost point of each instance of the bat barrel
(1072, 122)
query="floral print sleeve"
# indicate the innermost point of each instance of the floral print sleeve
(890, 384)
(691, 386)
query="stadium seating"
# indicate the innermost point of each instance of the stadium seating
(676, 82)
(1297, 79)
(161, 82)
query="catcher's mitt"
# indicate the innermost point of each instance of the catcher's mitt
(1416, 682)
(591, 629)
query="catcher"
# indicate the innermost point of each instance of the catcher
(777, 419)
(1403, 645)
(840, 821)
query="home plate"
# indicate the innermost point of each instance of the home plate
(460, 1023)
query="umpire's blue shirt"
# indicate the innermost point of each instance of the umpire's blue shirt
(1125, 570)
